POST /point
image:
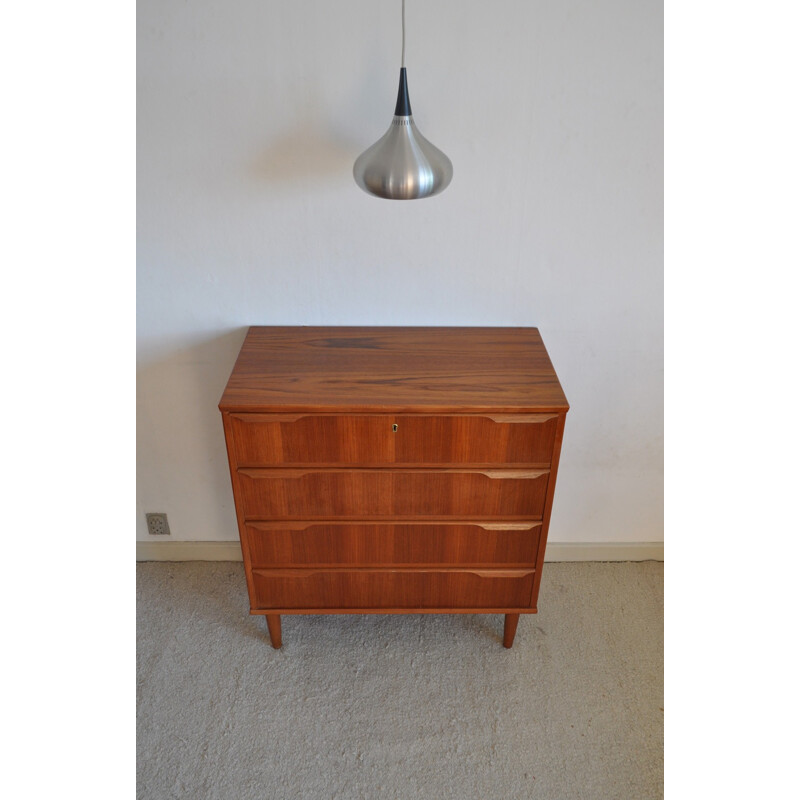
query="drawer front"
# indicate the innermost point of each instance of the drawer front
(268, 439)
(502, 439)
(392, 589)
(315, 494)
(286, 544)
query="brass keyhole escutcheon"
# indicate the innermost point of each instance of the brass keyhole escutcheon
(394, 428)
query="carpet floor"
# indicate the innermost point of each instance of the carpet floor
(401, 706)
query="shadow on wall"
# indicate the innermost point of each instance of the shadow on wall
(308, 151)
(313, 147)
(182, 466)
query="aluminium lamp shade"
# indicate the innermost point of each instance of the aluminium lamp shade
(403, 164)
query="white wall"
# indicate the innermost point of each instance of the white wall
(250, 114)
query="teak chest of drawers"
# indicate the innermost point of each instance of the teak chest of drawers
(393, 470)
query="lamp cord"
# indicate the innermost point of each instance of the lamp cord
(403, 54)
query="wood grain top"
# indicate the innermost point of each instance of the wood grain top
(379, 369)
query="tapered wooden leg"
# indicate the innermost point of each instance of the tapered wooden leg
(510, 629)
(274, 625)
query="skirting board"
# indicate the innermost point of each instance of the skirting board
(556, 551)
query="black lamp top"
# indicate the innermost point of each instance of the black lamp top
(403, 107)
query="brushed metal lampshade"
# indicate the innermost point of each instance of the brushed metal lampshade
(403, 164)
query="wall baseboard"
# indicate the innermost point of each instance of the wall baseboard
(556, 551)
(604, 551)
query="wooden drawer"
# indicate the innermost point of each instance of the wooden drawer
(284, 544)
(273, 439)
(373, 589)
(365, 493)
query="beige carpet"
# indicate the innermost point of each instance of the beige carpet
(390, 706)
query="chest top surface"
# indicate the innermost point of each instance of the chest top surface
(375, 369)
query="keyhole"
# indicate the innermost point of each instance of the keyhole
(394, 428)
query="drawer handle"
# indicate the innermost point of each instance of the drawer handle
(263, 472)
(515, 473)
(304, 525)
(480, 573)
(301, 472)
(508, 526)
(257, 417)
(502, 573)
(521, 418)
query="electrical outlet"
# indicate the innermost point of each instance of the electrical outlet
(157, 524)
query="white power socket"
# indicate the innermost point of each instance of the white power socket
(157, 524)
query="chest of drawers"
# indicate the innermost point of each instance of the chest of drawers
(393, 470)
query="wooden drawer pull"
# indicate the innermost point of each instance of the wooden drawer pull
(502, 418)
(302, 525)
(505, 573)
(517, 474)
(508, 526)
(521, 418)
(255, 417)
(282, 472)
(270, 472)
(292, 572)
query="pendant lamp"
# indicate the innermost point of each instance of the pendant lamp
(403, 164)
